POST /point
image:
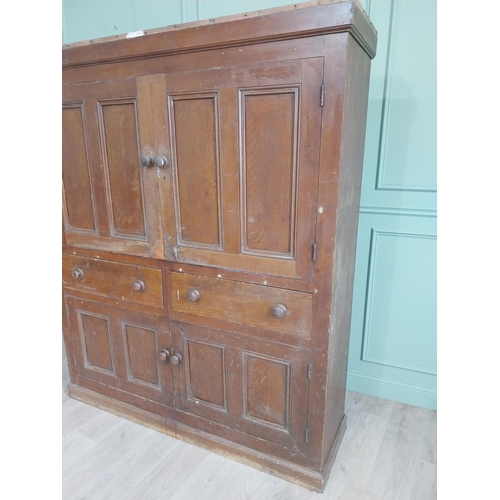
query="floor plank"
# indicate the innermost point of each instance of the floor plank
(388, 452)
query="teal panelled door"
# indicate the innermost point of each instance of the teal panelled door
(393, 335)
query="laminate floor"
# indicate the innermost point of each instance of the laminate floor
(388, 452)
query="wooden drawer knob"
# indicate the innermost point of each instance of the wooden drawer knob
(279, 311)
(193, 295)
(77, 273)
(139, 286)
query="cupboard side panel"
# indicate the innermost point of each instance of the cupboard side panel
(351, 167)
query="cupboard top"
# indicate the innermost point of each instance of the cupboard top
(289, 22)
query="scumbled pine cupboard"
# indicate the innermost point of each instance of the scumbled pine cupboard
(211, 183)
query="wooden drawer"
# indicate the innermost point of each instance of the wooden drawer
(114, 279)
(243, 303)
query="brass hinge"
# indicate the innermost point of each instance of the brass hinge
(307, 434)
(314, 250)
(309, 370)
(322, 96)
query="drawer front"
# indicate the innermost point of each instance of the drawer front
(131, 283)
(276, 309)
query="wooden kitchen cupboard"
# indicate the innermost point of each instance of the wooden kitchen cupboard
(211, 184)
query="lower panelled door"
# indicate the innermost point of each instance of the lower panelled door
(120, 348)
(255, 386)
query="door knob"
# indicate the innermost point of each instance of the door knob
(146, 160)
(160, 161)
(164, 354)
(175, 359)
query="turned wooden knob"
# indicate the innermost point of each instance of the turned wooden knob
(146, 160)
(139, 286)
(279, 311)
(175, 359)
(193, 295)
(164, 354)
(77, 273)
(160, 161)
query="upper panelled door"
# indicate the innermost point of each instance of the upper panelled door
(244, 147)
(110, 200)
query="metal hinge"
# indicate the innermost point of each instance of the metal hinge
(314, 249)
(74, 359)
(322, 96)
(307, 434)
(309, 370)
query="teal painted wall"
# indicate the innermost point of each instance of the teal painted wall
(392, 351)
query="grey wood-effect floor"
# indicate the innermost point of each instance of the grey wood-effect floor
(388, 452)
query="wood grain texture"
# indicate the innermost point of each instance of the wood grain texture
(114, 112)
(194, 126)
(78, 195)
(141, 350)
(256, 382)
(267, 390)
(96, 343)
(114, 279)
(243, 303)
(121, 143)
(269, 142)
(355, 104)
(152, 465)
(170, 65)
(265, 173)
(206, 373)
(119, 348)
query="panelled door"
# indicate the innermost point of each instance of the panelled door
(120, 348)
(243, 145)
(259, 388)
(110, 201)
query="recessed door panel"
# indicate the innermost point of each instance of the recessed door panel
(195, 150)
(78, 201)
(96, 341)
(269, 133)
(206, 373)
(141, 354)
(120, 142)
(266, 390)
